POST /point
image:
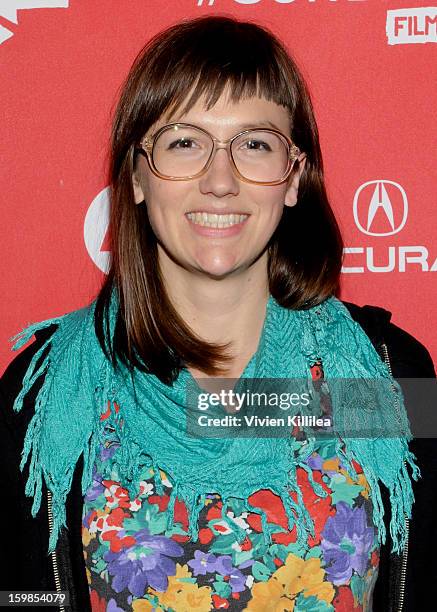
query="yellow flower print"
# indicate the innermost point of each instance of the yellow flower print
(362, 480)
(294, 577)
(182, 594)
(331, 465)
(143, 605)
(311, 581)
(87, 536)
(269, 597)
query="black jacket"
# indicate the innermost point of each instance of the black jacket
(25, 564)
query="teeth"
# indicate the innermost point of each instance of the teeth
(217, 221)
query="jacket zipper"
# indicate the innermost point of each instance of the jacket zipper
(407, 522)
(53, 554)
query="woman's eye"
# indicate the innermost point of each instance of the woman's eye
(182, 143)
(257, 145)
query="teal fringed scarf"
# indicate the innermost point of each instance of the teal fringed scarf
(79, 382)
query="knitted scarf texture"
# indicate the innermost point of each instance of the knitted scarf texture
(79, 382)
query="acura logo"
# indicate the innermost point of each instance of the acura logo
(95, 229)
(379, 205)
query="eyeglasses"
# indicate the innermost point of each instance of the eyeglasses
(181, 151)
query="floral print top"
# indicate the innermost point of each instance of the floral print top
(133, 562)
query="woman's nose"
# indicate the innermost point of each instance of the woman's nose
(220, 178)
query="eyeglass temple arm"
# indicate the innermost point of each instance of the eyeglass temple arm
(146, 144)
(294, 151)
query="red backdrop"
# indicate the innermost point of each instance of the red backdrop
(368, 65)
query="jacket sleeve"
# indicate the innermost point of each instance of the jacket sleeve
(410, 359)
(23, 553)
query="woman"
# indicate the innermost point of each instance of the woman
(225, 260)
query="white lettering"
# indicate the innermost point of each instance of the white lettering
(420, 257)
(397, 258)
(352, 251)
(371, 261)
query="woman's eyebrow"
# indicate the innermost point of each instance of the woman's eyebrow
(240, 126)
(249, 126)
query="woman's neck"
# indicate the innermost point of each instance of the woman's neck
(223, 310)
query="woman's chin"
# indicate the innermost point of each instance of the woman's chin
(216, 262)
(217, 269)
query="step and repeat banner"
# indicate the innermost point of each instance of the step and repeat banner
(370, 67)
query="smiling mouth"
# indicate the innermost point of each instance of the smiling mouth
(216, 221)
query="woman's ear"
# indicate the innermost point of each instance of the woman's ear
(138, 191)
(293, 188)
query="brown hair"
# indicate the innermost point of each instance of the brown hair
(304, 253)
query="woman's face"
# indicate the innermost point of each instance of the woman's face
(200, 249)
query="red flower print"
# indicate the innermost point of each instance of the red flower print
(98, 604)
(180, 538)
(254, 521)
(122, 497)
(205, 535)
(116, 517)
(246, 544)
(215, 511)
(181, 514)
(220, 603)
(221, 528)
(109, 483)
(306, 487)
(272, 506)
(357, 467)
(344, 601)
(161, 500)
(116, 543)
(106, 414)
(316, 371)
(320, 508)
(285, 538)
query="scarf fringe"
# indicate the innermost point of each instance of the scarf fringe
(31, 444)
(32, 440)
(32, 374)
(26, 334)
(400, 491)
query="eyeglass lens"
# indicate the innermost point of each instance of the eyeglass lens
(182, 151)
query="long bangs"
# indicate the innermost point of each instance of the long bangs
(216, 57)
